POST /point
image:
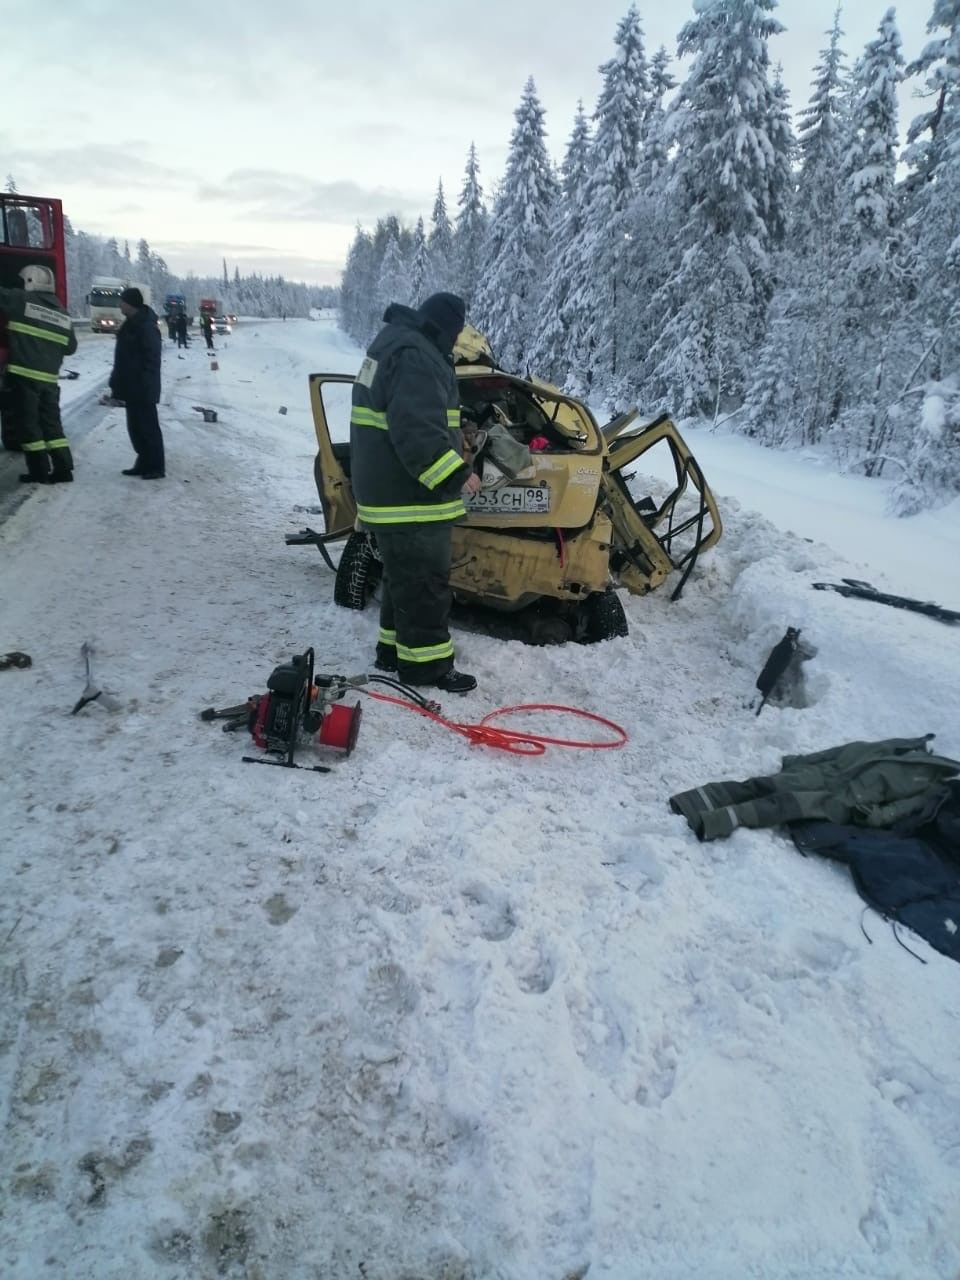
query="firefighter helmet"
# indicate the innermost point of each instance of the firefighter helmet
(38, 279)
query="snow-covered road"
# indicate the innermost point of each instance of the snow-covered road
(441, 1014)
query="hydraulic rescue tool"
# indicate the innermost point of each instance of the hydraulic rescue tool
(301, 706)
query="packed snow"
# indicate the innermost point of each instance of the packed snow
(445, 1013)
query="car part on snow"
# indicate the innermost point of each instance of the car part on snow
(15, 659)
(209, 415)
(282, 409)
(69, 375)
(776, 664)
(864, 591)
(554, 533)
(91, 692)
(782, 680)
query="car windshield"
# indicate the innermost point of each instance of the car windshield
(105, 297)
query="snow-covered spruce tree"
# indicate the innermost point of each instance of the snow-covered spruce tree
(358, 290)
(550, 355)
(940, 64)
(653, 147)
(393, 282)
(597, 290)
(773, 388)
(809, 319)
(648, 229)
(711, 309)
(929, 447)
(440, 246)
(470, 232)
(873, 154)
(512, 277)
(873, 283)
(419, 266)
(822, 144)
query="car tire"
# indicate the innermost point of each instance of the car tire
(549, 629)
(602, 618)
(358, 573)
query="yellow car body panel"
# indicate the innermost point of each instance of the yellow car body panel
(567, 526)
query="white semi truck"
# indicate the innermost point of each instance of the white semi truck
(104, 299)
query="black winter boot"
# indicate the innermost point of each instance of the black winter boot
(386, 659)
(453, 681)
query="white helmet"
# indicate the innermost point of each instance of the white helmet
(38, 279)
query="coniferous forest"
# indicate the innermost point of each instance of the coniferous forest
(706, 250)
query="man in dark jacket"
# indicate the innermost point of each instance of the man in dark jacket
(408, 475)
(136, 381)
(40, 334)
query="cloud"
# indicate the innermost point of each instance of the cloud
(275, 196)
(96, 164)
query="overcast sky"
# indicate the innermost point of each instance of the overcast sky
(265, 131)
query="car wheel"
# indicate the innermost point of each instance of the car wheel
(602, 617)
(549, 628)
(358, 573)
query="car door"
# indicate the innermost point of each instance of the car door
(667, 532)
(330, 401)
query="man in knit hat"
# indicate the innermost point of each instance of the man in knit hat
(408, 477)
(136, 381)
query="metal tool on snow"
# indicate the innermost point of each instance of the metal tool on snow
(91, 692)
(776, 664)
(858, 590)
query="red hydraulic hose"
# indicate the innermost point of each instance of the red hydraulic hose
(486, 734)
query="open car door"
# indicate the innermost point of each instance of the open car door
(657, 534)
(330, 400)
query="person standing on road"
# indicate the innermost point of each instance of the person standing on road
(135, 380)
(40, 334)
(206, 324)
(182, 339)
(408, 476)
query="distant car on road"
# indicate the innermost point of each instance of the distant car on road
(221, 324)
(232, 318)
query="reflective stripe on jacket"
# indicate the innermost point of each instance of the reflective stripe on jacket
(40, 334)
(406, 450)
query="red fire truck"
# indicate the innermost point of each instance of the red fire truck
(31, 231)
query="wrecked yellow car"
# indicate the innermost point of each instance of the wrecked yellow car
(557, 525)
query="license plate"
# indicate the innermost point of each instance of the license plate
(511, 499)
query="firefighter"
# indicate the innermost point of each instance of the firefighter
(408, 475)
(40, 335)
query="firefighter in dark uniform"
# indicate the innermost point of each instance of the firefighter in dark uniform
(40, 334)
(408, 477)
